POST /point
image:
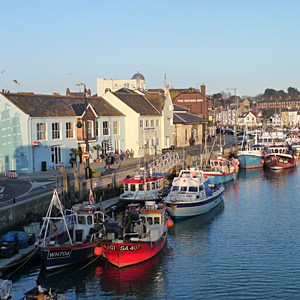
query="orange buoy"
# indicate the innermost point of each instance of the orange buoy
(98, 250)
(295, 159)
(205, 176)
(169, 223)
(262, 161)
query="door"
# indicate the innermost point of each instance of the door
(56, 155)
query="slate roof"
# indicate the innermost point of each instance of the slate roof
(59, 106)
(185, 118)
(138, 103)
(179, 108)
(158, 101)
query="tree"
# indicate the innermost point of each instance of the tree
(97, 148)
(270, 93)
(293, 92)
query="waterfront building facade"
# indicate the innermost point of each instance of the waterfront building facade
(148, 120)
(39, 131)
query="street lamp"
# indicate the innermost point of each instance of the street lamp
(87, 166)
(235, 119)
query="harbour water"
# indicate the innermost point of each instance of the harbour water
(246, 248)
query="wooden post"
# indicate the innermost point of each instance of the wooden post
(76, 184)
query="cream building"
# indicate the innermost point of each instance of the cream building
(148, 120)
(137, 82)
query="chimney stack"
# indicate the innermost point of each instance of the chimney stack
(203, 89)
(167, 90)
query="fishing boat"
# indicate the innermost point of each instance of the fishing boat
(140, 236)
(280, 157)
(221, 170)
(191, 194)
(272, 138)
(68, 238)
(251, 156)
(140, 187)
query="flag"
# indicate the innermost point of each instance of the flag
(91, 198)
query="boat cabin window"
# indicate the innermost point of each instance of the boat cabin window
(150, 221)
(148, 186)
(143, 219)
(141, 187)
(158, 184)
(175, 188)
(89, 220)
(183, 189)
(193, 189)
(81, 220)
(126, 187)
(156, 220)
(153, 185)
(201, 188)
(132, 187)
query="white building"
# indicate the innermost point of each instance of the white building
(148, 120)
(137, 82)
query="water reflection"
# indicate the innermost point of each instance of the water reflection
(134, 280)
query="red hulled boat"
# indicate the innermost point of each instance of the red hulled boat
(279, 157)
(141, 236)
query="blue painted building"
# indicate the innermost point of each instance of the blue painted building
(56, 124)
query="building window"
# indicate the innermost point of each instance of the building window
(147, 123)
(90, 129)
(116, 127)
(141, 123)
(55, 131)
(41, 131)
(105, 128)
(157, 123)
(97, 129)
(117, 145)
(69, 130)
(152, 123)
(157, 142)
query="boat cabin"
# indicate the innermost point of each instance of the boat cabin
(138, 182)
(86, 218)
(278, 150)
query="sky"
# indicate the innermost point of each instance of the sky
(49, 46)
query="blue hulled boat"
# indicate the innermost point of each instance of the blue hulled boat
(251, 157)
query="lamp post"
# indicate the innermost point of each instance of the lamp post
(235, 118)
(87, 166)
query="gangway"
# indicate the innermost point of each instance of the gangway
(165, 163)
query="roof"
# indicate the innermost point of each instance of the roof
(59, 106)
(185, 118)
(138, 76)
(178, 108)
(138, 103)
(158, 101)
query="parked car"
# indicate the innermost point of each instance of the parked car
(229, 131)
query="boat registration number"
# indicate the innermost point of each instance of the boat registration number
(59, 254)
(122, 248)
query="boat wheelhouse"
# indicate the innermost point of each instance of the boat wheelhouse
(139, 187)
